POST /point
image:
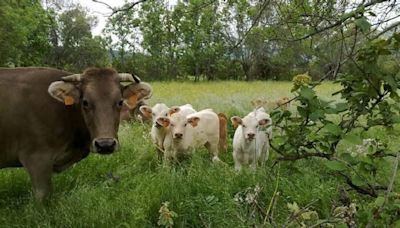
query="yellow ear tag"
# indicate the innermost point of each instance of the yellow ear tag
(68, 100)
(132, 101)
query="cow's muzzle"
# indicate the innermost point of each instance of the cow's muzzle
(105, 145)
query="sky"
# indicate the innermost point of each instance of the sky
(100, 11)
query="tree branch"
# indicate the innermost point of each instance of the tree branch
(341, 21)
(117, 10)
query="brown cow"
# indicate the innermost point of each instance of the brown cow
(50, 119)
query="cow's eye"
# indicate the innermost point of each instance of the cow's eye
(120, 103)
(244, 126)
(185, 124)
(166, 114)
(85, 104)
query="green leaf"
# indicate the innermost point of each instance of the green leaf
(333, 129)
(293, 207)
(379, 201)
(349, 159)
(306, 93)
(357, 180)
(363, 24)
(340, 107)
(353, 139)
(279, 140)
(335, 165)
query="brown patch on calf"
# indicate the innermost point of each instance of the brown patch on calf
(194, 121)
(163, 121)
(264, 121)
(146, 111)
(236, 121)
(173, 110)
(223, 123)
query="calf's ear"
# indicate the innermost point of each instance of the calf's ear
(265, 121)
(194, 121)
(173, 109)
(163, 121)
(64, 92)
(236, 121)
(146, 111)
(136, 92)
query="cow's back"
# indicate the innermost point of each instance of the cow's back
(30, 118)
(207, 129)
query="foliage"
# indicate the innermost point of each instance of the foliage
(167, 216)
(300, 80)
(370, 94)
(24, 30)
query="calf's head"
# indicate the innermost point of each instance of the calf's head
(100, 96)
(250, 125)
(158, 110)
(177, 123)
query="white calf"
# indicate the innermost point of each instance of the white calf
(189, 132)
(158, 132)
(251, 140)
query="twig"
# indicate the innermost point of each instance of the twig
(389, 190)
(273, 199)
(117, 10)
(341, 21)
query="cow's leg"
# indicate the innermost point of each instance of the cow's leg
(40, 171)
(213, 149)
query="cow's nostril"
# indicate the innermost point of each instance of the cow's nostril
(251, 135)
(105, 145)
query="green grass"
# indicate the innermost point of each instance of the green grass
(201, 193)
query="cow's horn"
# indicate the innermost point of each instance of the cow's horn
(126, 77)
(72, 78)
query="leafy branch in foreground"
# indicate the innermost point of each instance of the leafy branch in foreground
(338, 132)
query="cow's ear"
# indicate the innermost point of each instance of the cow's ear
(173, 109)
(146, 111)
(236, 121)
(136, 92)
(265, 121)
(194, 121)
(163, 121)
(64, 92)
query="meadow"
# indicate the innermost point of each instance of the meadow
(128, 188)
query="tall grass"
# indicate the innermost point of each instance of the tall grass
(126, 189)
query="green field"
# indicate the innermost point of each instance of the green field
(127, 189)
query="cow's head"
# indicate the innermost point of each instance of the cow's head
(100, 96)
(249, 125)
